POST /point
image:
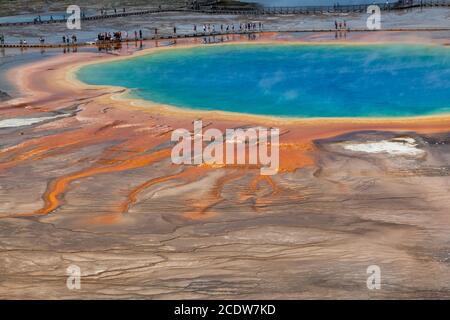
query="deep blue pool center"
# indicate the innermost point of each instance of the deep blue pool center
(289, 80)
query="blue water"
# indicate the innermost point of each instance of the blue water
(289, 80)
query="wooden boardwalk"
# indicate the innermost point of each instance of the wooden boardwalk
(251, 11)
(93, 18)
(207, 34)
(386, 6)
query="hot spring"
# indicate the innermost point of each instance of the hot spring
(289, 80)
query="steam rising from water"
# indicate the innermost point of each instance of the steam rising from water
(290, 80)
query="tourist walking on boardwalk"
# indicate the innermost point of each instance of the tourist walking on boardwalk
(135, 35)
(195, 28)
(175, 30)
(2, 38)
(335, 24)
(140, 34)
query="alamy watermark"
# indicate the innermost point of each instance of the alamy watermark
(74, 19)
(73, 281)
(374, 20)
(257, 146)
(374, 280)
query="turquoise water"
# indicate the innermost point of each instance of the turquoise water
(289, 80)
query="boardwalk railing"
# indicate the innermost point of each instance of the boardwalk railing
(327, 9)
(173, 37)
(158, 37)
(254, 10)
(94, 17)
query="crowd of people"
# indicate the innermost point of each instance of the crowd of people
(206, 28)
(66, 39)
(341, 29)
(107, 36)
(119, 36)
(211, 28)
(341, 25)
